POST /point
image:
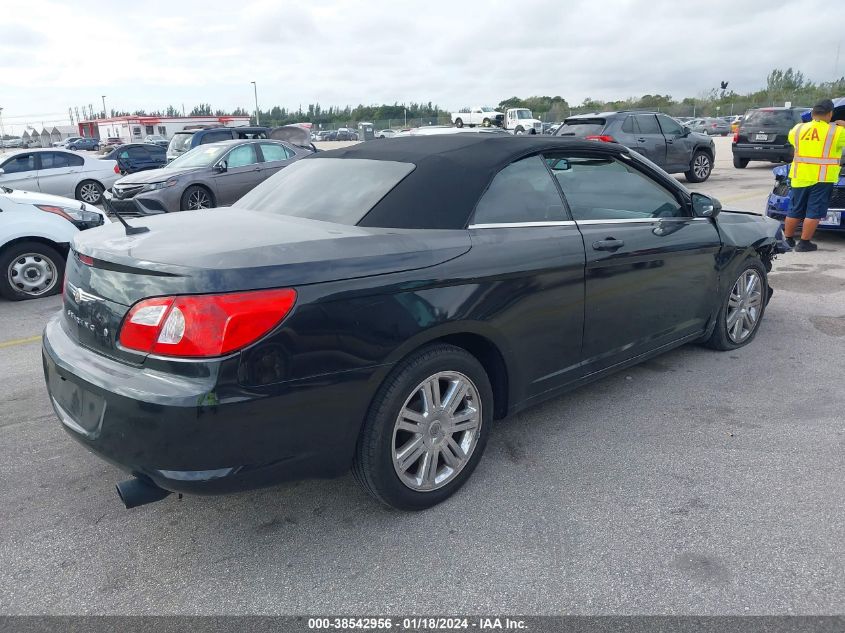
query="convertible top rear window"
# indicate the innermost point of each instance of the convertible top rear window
(328, 189)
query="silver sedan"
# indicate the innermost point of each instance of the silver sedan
(212, 175)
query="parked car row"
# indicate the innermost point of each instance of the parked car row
(340, 134)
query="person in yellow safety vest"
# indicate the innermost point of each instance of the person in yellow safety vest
(815, 169)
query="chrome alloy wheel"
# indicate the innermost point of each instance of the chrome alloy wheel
(90, 193)
(745, 305)
(199, 199)
(436, 431)
(32, 274)
(701, 166)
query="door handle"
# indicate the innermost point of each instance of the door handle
(609, 244)
(641, 140)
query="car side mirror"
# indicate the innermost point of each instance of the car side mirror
(221, 167)
(705, 206)
(687, 131)
(2, 171)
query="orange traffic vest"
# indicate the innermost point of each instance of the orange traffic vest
(814, 160)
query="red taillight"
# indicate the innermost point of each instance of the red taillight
(714, 125)
(604, 138)
(736, 136)
(116, 169)
(199, 326)
(85, 259)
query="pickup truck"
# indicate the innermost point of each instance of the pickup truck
(521, 121)
(479, 115)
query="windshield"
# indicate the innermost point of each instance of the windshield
(781, 118)
(523, 114)
(487, 109)
(327, 189)
(181, 141)
(202, 156)
(581, 127)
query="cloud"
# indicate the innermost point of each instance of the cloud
(152, 54)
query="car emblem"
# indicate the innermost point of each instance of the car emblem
(80, 296)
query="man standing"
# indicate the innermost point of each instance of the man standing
(815, 168)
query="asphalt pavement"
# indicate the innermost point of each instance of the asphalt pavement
(697, 483)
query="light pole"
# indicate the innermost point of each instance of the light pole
(2, 133)
(255, 89)
(105, 116)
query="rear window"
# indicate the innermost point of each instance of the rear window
(181, 141)
(581, 127)
(780, 118)
(213, 137)
(327, 189)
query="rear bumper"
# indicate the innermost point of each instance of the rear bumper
(200, 434)
(777, 207)
(774, 153)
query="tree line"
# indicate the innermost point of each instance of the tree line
(782, 86)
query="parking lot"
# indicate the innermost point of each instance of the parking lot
(697, 483)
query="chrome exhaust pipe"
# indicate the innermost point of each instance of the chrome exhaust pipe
(137, 492)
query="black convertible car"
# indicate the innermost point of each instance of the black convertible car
(378, 306)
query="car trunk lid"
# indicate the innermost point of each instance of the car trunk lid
(228, 250)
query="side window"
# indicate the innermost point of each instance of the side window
(522, 192)
(669, 126)
(273, 152)
(630, 125)
(138, 153)
(242, 156)
(54, 160)
(162, 130)
(18, 164)
(648, 124)
(213, 137)
(149, 129)
(602, 188)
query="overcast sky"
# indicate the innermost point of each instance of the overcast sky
(146, 54)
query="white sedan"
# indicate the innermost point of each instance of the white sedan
(58, 172)
(35, 232)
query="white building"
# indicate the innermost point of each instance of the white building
(133, 129)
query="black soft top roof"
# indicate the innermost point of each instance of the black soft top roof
(452, 172)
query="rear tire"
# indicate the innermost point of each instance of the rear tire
(734, 327)
(30, 270)
(89, 192)
(701, 167)
(485, 123)
(740, 163)
(408, 456)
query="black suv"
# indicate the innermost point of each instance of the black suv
(762, 135)
(658, 137)
(187, 140)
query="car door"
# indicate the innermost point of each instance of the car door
(529, 257)
(240, 175)
(651, 275)
(678, 152)
(274, 156)
(20, 171)
(650, 141)
(59, 173)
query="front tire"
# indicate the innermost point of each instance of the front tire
(459, 123)
(519, 130)
(701, 167)
(742, 309)
(485, 123)
(90, 192)
(426, 429)
(196, 198)
(740, 163)
(29, 270)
